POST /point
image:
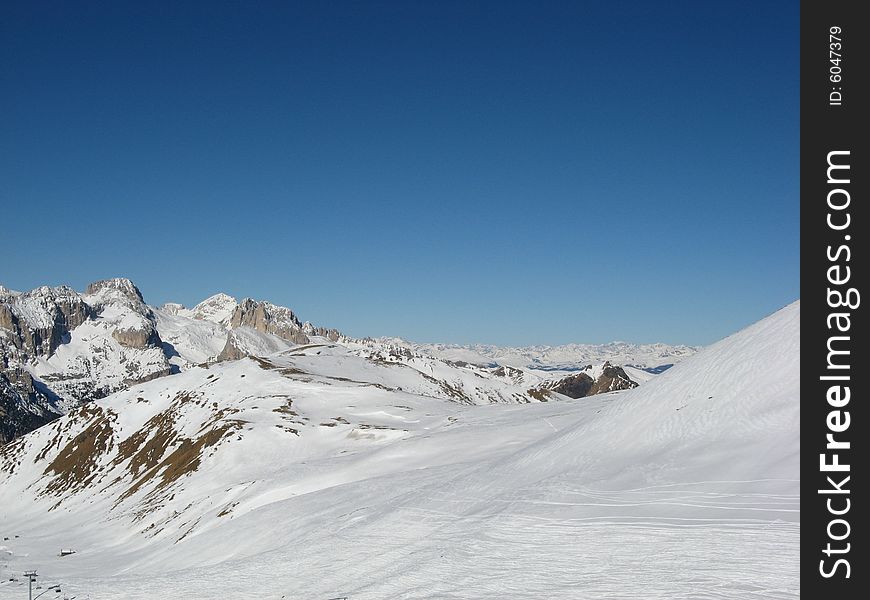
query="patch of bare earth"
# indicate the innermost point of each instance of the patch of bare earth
(77, 464)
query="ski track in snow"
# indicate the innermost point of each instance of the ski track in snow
(513, 549)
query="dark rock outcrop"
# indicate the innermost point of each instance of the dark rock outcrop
(266, 317)
(280, 321)
(574, 386)
(139, 338)
(23, 407)
(35, 325)
(612, 379)
(582, 384)
(39, 320)
(231, 350)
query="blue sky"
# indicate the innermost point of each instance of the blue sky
(499, 172)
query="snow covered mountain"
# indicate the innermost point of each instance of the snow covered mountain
(60, 348)
(346, 470)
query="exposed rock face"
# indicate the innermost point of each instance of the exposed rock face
(137, 338)
(333, 335)
(517, 376)
(118, 286)
(22, 407)
(266, 317)
(39, 320)
(32, 326)
(240, 321)
(606, 379)
(232, 350)
(574, 386)
(137, 327)
(59, 348)
(612, 379)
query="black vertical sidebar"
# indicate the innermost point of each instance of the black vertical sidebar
(834, 226)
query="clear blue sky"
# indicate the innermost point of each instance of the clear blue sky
(499, 172)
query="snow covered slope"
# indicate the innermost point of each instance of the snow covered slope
(217, 309)
(322, 472)
(187, 340)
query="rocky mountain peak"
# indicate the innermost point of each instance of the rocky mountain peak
(332, 335)
(121, 306)
(593, 379)
(266, 317)
(33, 325)
(219, 299)
(115, 287)
(613, 378)
(263, 317)
(60, 348)
(38, 320)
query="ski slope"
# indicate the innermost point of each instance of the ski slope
(344, 477)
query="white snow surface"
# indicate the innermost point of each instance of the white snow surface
(638, 375)
(194, 340)
(258, 343)
(217, 309)
(337, 483)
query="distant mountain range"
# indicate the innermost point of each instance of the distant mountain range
(567, 357)
(60, 348)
